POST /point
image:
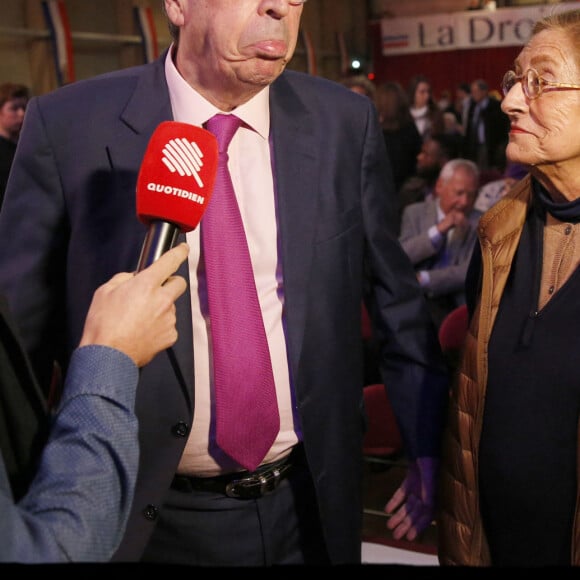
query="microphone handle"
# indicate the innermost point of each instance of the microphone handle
(160, 238)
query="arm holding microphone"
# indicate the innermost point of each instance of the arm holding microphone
(77, 506)
(136, 313)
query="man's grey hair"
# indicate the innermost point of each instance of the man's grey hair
(448, 170)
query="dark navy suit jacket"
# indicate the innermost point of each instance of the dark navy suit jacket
(69, 223)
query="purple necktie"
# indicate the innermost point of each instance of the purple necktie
(247, 418)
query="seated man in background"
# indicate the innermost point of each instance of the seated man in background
(439, 233)
(78, 503)
(435, 152)
(493, 191)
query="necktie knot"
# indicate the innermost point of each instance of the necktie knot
(224, 127)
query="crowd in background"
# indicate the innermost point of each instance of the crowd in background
(424, 134)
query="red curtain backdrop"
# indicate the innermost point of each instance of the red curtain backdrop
(444, 69)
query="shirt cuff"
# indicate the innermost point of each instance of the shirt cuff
(101, 371)
(435, 236)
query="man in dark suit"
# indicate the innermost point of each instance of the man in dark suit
(309, 169)
(487, 131)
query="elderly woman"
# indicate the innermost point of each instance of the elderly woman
(509, 488)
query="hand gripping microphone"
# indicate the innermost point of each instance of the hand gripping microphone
(174, 186)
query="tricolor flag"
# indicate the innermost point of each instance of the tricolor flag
(310, 55)
(395, 41)
(146, 24)
(344, 59)
(57, 21)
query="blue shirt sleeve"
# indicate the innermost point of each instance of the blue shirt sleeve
(77, 506)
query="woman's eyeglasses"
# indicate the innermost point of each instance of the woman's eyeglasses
(532, 83)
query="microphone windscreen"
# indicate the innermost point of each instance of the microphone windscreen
(177, 175)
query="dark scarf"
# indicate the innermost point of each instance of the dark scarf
(565, 212)
(533, 240)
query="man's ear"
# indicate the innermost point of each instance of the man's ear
(174, 11)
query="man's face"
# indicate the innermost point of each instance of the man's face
(477, 93)
(11, 118)
(429, 160)
(458, 193)
(232, 48)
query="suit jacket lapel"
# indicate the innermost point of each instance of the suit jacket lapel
(148, 106)
(296, 178)
(296, 183)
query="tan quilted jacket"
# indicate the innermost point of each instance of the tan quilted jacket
(460, 533)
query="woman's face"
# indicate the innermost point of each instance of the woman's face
(544, 130)
(422, 94)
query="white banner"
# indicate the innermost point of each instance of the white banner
(464, 30)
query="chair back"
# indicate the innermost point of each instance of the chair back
(453, 329)
(382, 437)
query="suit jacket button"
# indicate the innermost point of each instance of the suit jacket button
(181, 429)
(151, 512)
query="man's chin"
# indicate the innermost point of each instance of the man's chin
(265, 71)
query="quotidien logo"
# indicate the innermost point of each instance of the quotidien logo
(184, 157)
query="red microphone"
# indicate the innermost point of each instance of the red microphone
(175, 184)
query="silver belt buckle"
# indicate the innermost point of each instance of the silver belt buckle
(255, 486)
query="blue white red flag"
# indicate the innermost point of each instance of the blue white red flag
(310, 54)
(58, 24)
(146, 24)
(395, 41)
(344, 57)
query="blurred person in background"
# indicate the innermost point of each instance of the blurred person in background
(427, 115)
(487, 129)
(360, 84)
(492, 191)
(13, 101)
(402, 138)
(444, 100)
(435, 152)
(461, 104)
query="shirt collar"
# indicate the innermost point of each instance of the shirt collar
(189, 106)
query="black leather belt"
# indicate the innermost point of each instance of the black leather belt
(243, 484)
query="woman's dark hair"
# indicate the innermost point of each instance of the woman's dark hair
(392, 105)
